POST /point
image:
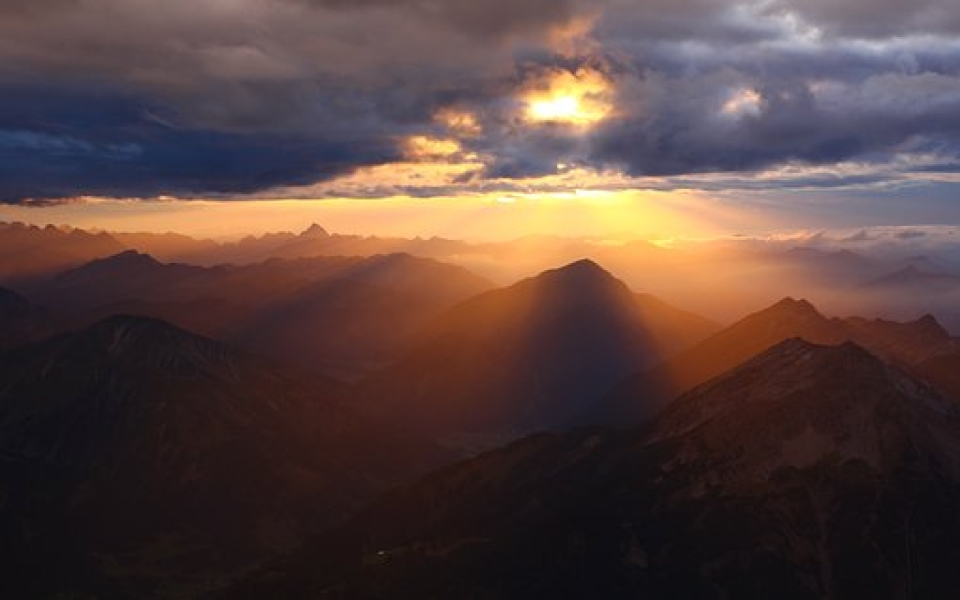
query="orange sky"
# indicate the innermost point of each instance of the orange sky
(614, 215)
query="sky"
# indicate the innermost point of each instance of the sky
(480, 118)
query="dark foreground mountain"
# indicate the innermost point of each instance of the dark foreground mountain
(20, 320)
(906, 345)
(139, 459)
(533, 355)
(808, 472)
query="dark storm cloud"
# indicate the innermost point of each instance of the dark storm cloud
(876, 18)
(686, 129)
(482, 18)
(139, 98)
(94, 142)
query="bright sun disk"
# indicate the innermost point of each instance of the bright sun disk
(570, 98)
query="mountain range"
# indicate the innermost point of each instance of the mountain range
(807, 472)
(340, 315)
(274, 429)
(913, 346)
(722, 279)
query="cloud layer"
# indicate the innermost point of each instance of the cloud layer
(143, 98)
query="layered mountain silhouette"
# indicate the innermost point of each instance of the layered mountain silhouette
(907, 345)
(152, 459)
(786, 455)
(533, 355)
(29, 253)
(337, 314)
(807, 472)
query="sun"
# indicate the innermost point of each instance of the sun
(563, 108)
(569, 99)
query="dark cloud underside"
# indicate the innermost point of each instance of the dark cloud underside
(138, 99)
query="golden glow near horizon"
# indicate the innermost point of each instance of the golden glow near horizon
(581, 98)
(494, 216)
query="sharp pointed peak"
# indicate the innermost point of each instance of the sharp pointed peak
(584, 265)
(580, 277)
(581, 272)
(314, 231)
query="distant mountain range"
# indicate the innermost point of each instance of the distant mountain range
(30, 253)
(807, 472)
(344, 316)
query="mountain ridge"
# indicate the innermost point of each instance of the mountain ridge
(534, 354)
(686, 507)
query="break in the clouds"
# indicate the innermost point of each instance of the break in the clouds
(142, 98)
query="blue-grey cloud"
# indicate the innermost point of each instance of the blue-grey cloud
(197, 99)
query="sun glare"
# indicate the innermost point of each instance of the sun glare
(569, 98)
(564, 108)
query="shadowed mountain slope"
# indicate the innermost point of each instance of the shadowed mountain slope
(808, 472)
(533, 355)
(169, 460)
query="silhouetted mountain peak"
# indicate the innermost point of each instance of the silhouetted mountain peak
(781, 356)
(798, 404)
(314, 231)
(789, 313)
(151, 342)
(580, 276)
(582, 268)
(583, 265)
(928, 324)
(790, 306)
(126, 259)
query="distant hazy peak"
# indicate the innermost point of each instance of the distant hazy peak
(314, 231)
(794, 307)
(127, 257)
